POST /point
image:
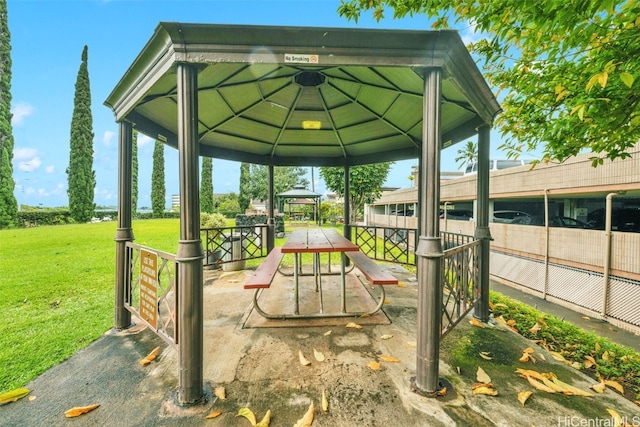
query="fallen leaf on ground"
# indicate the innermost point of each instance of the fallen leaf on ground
(482, 376)
(402, 285)
(442, 392)
(600, 387)
(569, 389)
(325, 402)
(32, 398)
(489, 391)
(386, 337)
(303, 360)
(373, 365)
(353, 325)
(589, 362)
(616, 385)
(80, 410)
(539, 386)
(616, 417)
(500, 305)
(476, 322)
(248, 414)
(326, 334)
(150, 357)
(523, 396)
(389, 359)
(486, 355)
(412, 343)
(13, 395)
(318, 355)
(307, 419)
(220, 393)
(535, 328)
(608, 357)
(213, 415)
(266, 420)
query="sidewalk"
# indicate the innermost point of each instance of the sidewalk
(259, 368)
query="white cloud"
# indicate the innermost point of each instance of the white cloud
(144, 140)
(30, 165)
(24, 153)
(50, 169)
(20, 111)
(107, 138)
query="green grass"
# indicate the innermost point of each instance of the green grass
(57, 291)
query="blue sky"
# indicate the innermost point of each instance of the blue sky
(47, 37)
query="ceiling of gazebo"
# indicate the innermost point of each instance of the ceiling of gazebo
(304, 96)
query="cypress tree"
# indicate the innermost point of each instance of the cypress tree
(244, 198)
(206, 185)
(81, 176)
(134, 173)
(157, 181)
(8, 202)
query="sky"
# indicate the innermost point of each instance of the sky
(47, 38)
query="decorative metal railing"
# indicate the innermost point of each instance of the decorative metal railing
(460, 281)
(159, 311)
(460, 284)
(231, 244)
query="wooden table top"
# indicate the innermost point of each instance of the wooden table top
(317, 240)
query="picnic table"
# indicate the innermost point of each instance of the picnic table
(317, 241)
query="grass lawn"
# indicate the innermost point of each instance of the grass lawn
(57, 291)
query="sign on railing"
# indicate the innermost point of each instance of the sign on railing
(151, 290)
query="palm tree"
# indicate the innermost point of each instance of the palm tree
(467, 154)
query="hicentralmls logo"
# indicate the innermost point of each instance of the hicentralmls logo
(575, 421)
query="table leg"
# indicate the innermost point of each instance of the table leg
(319, 281)
(295, 283)
(343, 281)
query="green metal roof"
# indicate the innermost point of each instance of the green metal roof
(260, 88)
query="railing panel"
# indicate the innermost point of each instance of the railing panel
(387, 244)
(167, 299)
(230, 244)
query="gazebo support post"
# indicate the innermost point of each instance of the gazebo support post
(190, 254)
(482, 232)
(271, 221)
(347, 206)
(124, 232)
(429, 252)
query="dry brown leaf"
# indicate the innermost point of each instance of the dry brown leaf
(616, 417)
(589, 362)
(387, 301)
(569, 389)
(511, 322)
(500, 305)
(386, 337)
(528, 350)
(482, 376)
(608, 357)
(213, 415)
(557, 356)
(486, 355)
(32, 398)
(318, 355)
(80, 410)
(220, 393)
(553, 386)
(616, 385)
(402, 285)
(597, 347)
(307, 419)
(535, 328)
(412, 343)
(524, 373)
(476, 322)
(150, 357)
(364, 315)
(389, 359)
(523, 396)
(442, 392)
(491, 306)
(477, 385)
(539, 386)
(266, 420)
(373, 365)
(353, 325)
(248, 414)
(326, 334)
(325, 402)
(524, 358)
(485, 390)
(600, 387)
(303, 360)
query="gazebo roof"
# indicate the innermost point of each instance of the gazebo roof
(304, 96)
(298, 192)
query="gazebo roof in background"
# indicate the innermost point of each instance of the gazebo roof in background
(304, 96)
(298, 191)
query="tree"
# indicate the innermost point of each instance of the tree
(134, 173)
(157, 181)
(206, 185)
(365, 183)
(569, 68)
(8, 202)
(467, 154)
(244, 198)
(284, 178)
(81, 176)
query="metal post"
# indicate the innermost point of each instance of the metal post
(347, 205)
(124, 232)
(271, 221)
(190, 253)
(482, 232)
(429, 252)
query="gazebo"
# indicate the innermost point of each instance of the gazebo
(301, 97)
(300, 196)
